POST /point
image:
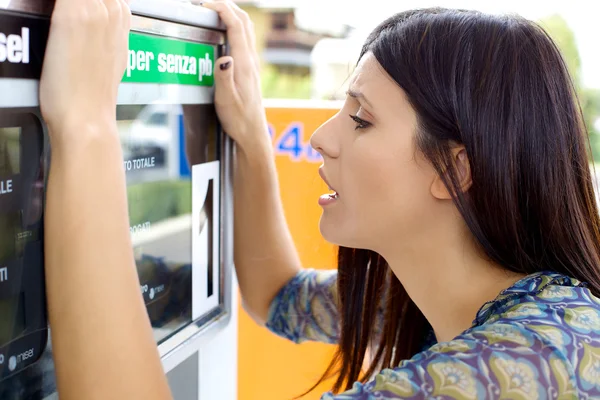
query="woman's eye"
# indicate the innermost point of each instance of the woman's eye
(360, 123)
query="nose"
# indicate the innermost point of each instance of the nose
(324, 140)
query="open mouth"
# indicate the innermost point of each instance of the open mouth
(329, 197)
(333, 195)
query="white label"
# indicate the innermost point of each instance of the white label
(139, 163)
(205, 67)
(202, 252)
(1, 359)
(139, 228)
(156, 290)
(177, 64)
(3, 274)
(159, 289)
(24, 235)
(26, 355)
(144, 289)
(139, 60)
(6, 186)
(15, 48)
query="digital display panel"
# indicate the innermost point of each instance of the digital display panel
(14, 236)
(171, 159)
(10, 151)
(12, 316)
(10, 229)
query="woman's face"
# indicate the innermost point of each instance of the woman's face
(383, 185)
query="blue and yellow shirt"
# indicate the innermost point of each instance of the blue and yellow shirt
(539, 339)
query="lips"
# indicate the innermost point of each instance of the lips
(322, 174)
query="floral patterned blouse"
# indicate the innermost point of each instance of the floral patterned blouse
(539, 339)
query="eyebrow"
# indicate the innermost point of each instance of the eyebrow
(355, 94)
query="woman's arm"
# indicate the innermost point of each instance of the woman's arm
(101, 336)
(265, 255)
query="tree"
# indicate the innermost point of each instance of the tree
(589, 98)
(280, 85)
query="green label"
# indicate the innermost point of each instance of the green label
(159, 60)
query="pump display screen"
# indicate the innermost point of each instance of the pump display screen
(10, 151)
(175, 176)
(13, 236)
(10, 225)
(23, 323)
(12, 317)
(171, 164)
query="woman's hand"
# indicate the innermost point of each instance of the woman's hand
(85, 60)
(86, 236)
(238, 97)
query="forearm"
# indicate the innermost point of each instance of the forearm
(89, 258)
(265, 254)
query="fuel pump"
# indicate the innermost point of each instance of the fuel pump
(177, 162)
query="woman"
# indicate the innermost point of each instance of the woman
(463, 208)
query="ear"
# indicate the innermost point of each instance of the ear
(462, 168)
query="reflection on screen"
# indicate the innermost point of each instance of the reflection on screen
(158, 156)
(10, 151)
(12, 316)
(10, 227)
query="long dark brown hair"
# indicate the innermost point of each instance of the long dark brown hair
(499, 86)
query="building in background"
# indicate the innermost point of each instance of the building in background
(285, 45)
(332, 62)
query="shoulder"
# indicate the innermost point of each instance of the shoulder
(539, 342)
(565, 318)
(559, 314)
(500, 360)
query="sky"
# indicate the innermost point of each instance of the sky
(583, 16)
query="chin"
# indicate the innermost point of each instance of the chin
(337, 234)
(329, 232)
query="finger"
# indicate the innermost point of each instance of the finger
(236, 33)
(114, 8)
(249, 29)
(66, 10)
(248, 25)
(61, 6)
(126, 14)
(226, 92)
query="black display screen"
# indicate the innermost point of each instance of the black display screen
(10, 153)
(161, 143)
(12, 316)
(14, 236)
(10, 234)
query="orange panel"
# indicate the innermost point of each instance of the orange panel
(270, 367)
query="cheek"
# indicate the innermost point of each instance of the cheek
(388, 188)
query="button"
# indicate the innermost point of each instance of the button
(21, 353)
(154, 277)
(12, 363)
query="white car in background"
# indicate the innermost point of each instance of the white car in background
(152, 133)
(153, 126)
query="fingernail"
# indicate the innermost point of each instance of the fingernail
(225, 65)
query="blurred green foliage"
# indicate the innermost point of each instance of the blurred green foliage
(589, 98)
(156, 201)
(284, 85)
